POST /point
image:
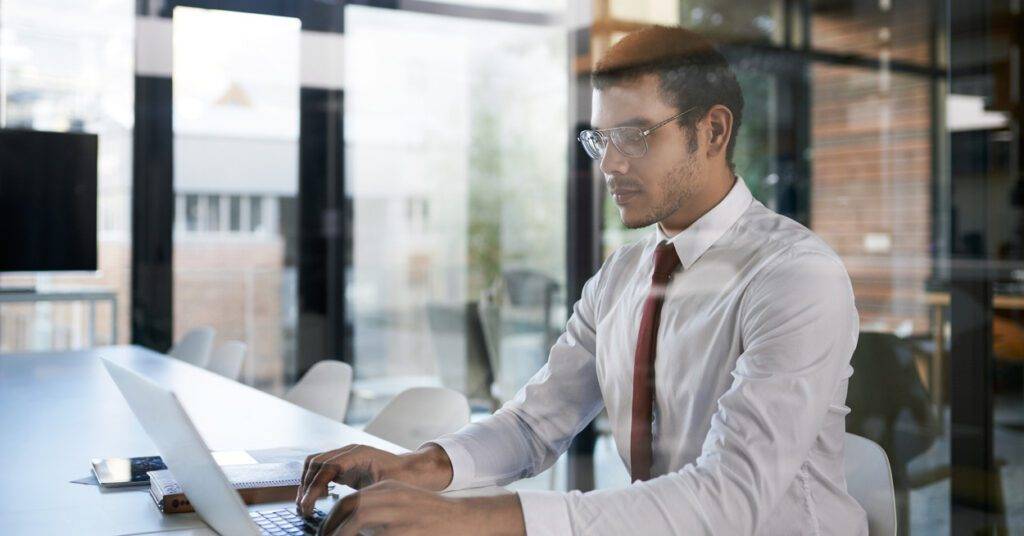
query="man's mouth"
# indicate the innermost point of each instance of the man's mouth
(623, 196)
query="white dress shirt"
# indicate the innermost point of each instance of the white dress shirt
(752, 365)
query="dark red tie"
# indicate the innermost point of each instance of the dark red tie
(641, 438)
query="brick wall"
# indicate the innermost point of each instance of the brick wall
(871, 160)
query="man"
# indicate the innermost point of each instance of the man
(720, 347)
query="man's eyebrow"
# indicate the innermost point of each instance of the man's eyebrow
(631, 122)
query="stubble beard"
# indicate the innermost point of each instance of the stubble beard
(678, 185)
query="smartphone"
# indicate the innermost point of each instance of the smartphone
(118, 472)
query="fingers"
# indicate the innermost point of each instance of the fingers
(354, 465)
(312, 466)
(302, 479)
(313, 462)
(318, 487)
(309, 471)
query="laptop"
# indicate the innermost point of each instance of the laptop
(189, 459)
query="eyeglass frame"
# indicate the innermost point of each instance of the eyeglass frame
(643, 133)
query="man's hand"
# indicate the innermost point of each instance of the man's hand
(359, 466)
(392, 507)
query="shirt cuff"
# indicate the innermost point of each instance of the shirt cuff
(463, 467)
(545, 513)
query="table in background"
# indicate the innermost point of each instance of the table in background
(938, 302)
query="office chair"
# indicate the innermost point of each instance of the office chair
(869, 481)
(324, 389)
(194, 346)
(420, 414)
(227, 360)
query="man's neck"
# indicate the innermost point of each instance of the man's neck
(715, 192)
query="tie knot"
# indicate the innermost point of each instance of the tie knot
(666, 260)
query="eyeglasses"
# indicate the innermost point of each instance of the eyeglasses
(630, 141)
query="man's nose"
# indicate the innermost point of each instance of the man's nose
(613, 162)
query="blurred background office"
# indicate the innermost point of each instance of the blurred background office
(395, 184)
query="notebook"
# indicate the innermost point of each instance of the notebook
(256, 483)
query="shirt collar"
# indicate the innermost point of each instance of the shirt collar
(703, 233)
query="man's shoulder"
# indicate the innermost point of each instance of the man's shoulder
(772, 235)
(789, 257)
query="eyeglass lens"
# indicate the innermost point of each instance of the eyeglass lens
(628, 140)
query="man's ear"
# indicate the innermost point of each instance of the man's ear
(719, 120)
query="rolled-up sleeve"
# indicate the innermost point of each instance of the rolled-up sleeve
(799, 329)
(530, 432)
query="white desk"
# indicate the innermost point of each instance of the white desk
(59, 410)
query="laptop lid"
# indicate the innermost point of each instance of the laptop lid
(183, 451)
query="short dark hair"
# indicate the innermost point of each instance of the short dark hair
(691, 70)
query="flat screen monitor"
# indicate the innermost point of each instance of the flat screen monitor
(47, 201)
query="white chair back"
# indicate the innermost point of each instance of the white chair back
(420, 414)
(227, 360)
(194, 347)
(869, 481)
(324, 389)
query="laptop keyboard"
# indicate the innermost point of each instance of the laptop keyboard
(286, 522)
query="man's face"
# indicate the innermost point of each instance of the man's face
(655, 186)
